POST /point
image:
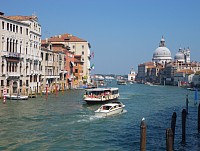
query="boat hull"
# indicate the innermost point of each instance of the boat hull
(113, 112)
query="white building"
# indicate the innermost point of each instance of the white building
(131, 76)
(162, 54)
(20, 42)
(182, 56)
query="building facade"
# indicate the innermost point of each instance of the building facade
(20, 44)
(76, 46)
(53, 70)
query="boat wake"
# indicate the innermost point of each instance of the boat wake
(89, 118)
(124, 98)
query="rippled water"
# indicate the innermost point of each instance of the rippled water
(65, 122)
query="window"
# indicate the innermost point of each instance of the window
(20, 83)
(82, 52)
(42, 55)
(17, 29)
(30, 78)
(82, 46)
(26, 31)
(76, 70)
(2, 82)
(3, 25)
(8, 82)
(10, 27)
(20, 30)
(7, 26)
(27, 83)
(46, 58)
(13, 28)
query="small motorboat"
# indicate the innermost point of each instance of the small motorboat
(110, 109)
(17, 97)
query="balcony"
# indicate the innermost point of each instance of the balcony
(11, 54)
(13, 74)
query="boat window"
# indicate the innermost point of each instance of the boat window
(107, 107)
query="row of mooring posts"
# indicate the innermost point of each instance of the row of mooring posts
(170, 132)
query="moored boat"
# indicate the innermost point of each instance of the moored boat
(110, 109)
(17, 97)
(99, 95)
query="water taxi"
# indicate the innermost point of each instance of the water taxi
(99, 95)
(110, 109)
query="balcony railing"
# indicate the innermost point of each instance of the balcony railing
(11, 54)
(13, 74)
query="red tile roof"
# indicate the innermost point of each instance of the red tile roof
(21, 18)
(65, 38)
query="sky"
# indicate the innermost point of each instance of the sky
(122, 33)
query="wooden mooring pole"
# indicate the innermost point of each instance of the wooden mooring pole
(183, 125)
(173, 125)
(169, 139)
(199, 118)
(143, 135)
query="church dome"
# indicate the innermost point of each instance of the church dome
(179, 56)
(162, 54)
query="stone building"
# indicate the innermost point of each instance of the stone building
(77, 46)
(53, 73)
(20, 47)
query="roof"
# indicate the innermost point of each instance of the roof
(65, 38)
(148, 64)
(187, 71)
(102, 89)
(21, 18)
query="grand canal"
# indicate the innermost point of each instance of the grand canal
(65, 122)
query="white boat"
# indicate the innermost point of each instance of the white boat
(121, 82)
(110, 109)
(99, 95)
(17, 97)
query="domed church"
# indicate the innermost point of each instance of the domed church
(182, 56)
(162, 54)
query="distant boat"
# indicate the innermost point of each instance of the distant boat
(149, 83)
(121, 82)
(99, 95)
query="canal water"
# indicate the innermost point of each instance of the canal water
(66, 122)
